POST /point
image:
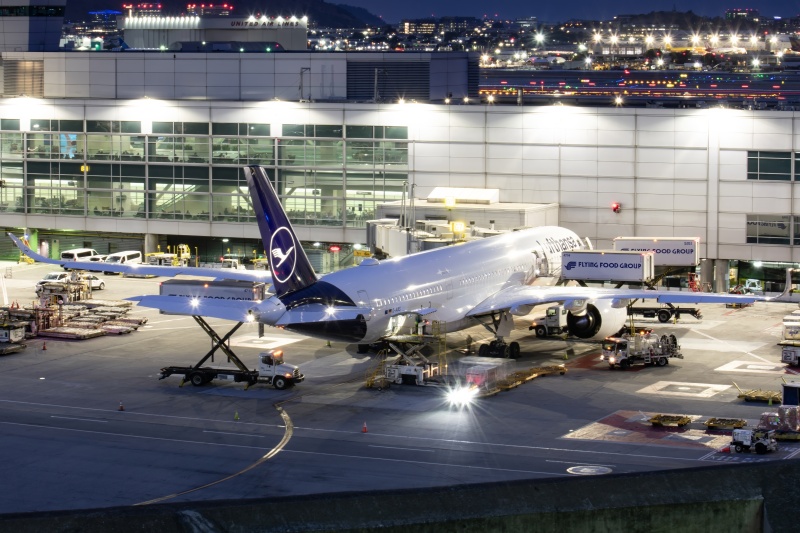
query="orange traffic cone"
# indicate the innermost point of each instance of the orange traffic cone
(44, 345)
(726, 449)
(121, 407)
(364, 429)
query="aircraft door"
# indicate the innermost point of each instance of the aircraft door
(542, 264)
(363, 301)
(540, 268)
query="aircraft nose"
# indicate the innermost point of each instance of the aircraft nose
(269, 311)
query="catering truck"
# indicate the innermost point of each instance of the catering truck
(669, 251)
(600, 265)
(204, 290)
(271, 371)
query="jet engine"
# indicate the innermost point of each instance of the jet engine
(597, 320)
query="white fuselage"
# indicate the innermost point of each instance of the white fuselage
(453, 280)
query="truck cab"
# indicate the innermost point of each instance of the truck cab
(553, 323)
(760, 440)
(272, 368)
(233, 264)
(753, 286)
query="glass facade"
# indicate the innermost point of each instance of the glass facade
(775, 166)
(769, 229)
(329, 175)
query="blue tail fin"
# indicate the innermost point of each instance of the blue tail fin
(290, 267)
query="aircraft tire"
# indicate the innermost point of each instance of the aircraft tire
(483, 351)
(513, 350)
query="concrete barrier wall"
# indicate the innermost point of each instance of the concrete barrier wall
(732, 498)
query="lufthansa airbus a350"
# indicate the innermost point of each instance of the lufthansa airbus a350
(488, 282)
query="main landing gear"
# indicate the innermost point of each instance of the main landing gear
(499, 348)
(500, 324)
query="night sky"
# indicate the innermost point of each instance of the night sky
(556, 11)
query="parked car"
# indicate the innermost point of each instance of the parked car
(98, 258)
(50, 278)
(96, 283)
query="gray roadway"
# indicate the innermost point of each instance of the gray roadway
(66, 445)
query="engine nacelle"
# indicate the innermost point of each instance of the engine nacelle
(600, 319)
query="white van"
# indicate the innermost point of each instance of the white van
(131, 257)
(79, 254)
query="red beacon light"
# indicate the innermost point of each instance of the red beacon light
(334, 248)
(616, 207)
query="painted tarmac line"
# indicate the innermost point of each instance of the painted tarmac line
(401, 448)
(81, 419)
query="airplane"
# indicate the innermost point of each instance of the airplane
(487, 282)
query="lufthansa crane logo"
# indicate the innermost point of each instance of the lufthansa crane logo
(283, 254)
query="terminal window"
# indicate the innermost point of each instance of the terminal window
(769, 166)
(769, 229)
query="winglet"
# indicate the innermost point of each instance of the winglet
(290, 267)
(30, 253)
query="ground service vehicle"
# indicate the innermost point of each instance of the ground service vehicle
(790, 355)
(202, 290)
(600, 265)
(271, 371)
(232, 263)
(760, 440)
(665, 312)
(640, 348)
(669, 251)
(180, 257)
(554, 322)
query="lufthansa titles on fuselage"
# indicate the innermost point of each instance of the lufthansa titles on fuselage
(563, 244)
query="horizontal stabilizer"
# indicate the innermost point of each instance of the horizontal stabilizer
(237, 310)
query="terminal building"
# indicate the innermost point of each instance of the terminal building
(160, 32)
(147, 148)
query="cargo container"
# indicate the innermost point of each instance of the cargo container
(669, 251)
(599, 265)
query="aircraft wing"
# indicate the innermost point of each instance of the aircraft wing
(528, 295)
(225, 309)
(148, 270)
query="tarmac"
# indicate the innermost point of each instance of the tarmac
(73, 447)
